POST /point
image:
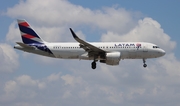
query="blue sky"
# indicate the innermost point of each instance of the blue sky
(28, 79)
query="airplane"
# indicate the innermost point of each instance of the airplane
(109, 53)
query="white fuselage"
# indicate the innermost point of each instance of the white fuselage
(128, 50)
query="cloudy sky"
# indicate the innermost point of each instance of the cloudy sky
(31, 80)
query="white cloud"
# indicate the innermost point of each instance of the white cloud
(53, 34)
(55, 26)
(170, 64)
(13, 34)
(86, 92)
(67, 94)
(10, 86)
(112, 94)
(147, 30)
(42, 85)
(65, 14)
(71, 80)
(22, 86)
(26, 80)
(9, 58)
(53, 77)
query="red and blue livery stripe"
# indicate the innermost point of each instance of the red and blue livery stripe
(28, 34)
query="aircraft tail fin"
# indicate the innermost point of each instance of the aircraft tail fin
(27, 33)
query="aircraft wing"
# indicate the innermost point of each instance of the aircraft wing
(85, 45)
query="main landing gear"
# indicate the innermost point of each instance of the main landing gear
(93, 64)
(144, 65)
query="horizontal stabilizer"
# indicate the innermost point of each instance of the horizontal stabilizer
(25, 45)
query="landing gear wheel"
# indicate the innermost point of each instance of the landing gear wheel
(93, 65)
(145, 65)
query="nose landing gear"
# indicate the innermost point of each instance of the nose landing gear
(93, 65)
(144, 65)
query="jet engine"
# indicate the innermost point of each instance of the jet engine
(112, 58)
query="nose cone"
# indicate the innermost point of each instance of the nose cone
(162, 52)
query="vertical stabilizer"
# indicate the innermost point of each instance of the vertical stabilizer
(28, 35)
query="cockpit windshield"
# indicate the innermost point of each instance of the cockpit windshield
(155, 47)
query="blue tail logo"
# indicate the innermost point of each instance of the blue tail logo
(28, 35)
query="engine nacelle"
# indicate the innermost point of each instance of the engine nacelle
(112, 58)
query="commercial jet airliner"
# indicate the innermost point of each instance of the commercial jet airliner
(109, 53)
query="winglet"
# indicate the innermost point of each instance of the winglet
(86, 44)
(74, 35)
